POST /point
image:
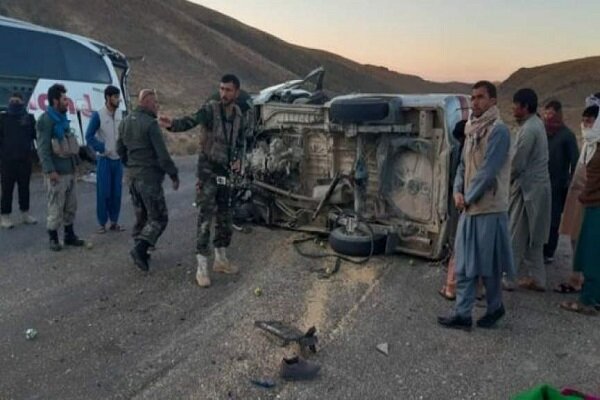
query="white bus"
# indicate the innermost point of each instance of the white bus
(34, 58)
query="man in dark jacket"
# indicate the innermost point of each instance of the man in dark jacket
(17, 133)
(143, 152)
(563, 155)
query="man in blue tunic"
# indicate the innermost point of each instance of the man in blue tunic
(481, 192)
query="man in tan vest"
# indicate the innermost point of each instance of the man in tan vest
(481, 192)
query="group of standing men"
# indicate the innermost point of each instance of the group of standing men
(136, 143)
(511, 194)
(142, 150)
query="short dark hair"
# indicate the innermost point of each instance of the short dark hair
(55, 91)
(230, 78)
(111, 91)
(591, 111)
(17, 95)
(555, 105)
(490, 88)
(526, 97)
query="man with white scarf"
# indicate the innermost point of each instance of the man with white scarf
(590, 131)
(481, 192)
(530, 194)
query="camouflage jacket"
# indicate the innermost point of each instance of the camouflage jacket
(142, 148)
(221, 137)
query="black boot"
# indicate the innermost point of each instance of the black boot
(490, 319)
(298, 369)
(54, 243)
(140, 256)
(71, 238)
(456, 322)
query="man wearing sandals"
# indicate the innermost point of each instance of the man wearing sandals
(101, 135)
(481, 192)
(530, 194)
(587, 253)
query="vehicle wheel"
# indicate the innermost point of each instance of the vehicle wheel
(357, 244)
(363, 109)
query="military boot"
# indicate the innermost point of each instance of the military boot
(71, 238)
(222, 264)
(202, 278)
(54, 243)
(140, 256)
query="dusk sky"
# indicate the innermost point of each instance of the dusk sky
(441, 40)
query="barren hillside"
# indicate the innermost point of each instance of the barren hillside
(568, 81)
(187, 48)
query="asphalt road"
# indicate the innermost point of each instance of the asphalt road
(109, 331)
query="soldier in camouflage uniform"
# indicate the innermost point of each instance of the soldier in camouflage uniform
(221, 142)
(143, 151)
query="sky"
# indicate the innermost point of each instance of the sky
(441, 40)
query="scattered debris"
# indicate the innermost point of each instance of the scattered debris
(258, 292)
(264, 383)
(383, 348)
(31, 334)
(289, 334)
(327, 272)
(411, 262)
(298, 369)
(89, 245)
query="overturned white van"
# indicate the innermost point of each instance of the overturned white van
(373, 170)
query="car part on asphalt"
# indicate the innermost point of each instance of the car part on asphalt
(288, 334)
(264, 383)
(383, 348)
(298, 369)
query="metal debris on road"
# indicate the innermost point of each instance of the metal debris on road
(289, 334)
(330, 270)
(264, 383)
(31, 334)
(383, 348)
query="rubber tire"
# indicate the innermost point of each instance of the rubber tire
(358, 244)
(370, 109)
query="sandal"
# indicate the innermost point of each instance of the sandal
(444, 293)
(530, 284)
(575, 306)
(116, 228)
(101, 230)
(566, 288)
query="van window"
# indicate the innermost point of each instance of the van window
(34, 54)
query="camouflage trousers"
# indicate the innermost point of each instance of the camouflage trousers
(213, 200)
(62, 202)
(151, 215)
